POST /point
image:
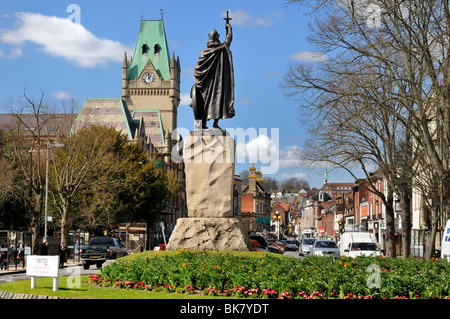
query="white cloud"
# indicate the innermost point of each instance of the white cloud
(309, 56)
(185, 99)
(262, 145)
(13, 54)
(63, 38)
(260, 150)
(289, 158)
(61, 95)
(298, 175)
(243, 19)
(244, 101)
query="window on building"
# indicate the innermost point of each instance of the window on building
(144, 49)
(156, 49)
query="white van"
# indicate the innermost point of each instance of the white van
(445, 243)
(355, 244)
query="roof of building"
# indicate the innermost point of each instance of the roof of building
(259, 188)
(153, 125)
(285, 206)
(114, 112)
(49, 124)
(339, 186)
(153, 36)
(111, 112)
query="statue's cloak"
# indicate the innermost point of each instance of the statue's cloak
(214, 80)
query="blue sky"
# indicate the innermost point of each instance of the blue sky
(83, 59)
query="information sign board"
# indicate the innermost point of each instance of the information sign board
(42, 266)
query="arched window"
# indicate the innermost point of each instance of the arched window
(144, 49)
(157, 48)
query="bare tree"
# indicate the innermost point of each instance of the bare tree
(404, 43)
(25, 145)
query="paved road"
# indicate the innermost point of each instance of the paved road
(292, 254)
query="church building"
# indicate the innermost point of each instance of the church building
(146, 111)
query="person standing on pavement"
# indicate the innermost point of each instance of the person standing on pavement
(62, 255)
(44, 248)
(4, 257)
(76, 255)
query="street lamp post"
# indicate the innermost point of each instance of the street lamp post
(46, 184)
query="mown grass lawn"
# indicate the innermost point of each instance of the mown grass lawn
(44, 287)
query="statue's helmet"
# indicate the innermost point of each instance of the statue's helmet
(213, 39)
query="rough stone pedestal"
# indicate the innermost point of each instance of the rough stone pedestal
(209, 234)
(209, 169)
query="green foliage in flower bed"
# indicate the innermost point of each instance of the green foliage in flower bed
(269, 276)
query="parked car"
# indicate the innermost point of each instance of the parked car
(325, 248)
(282, 244)
(445, 246)
(290, 245)
(260, 239)
(257, 246)
(355, 244)
(275, 243)
(305, 246)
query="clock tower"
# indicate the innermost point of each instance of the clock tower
(151, 78)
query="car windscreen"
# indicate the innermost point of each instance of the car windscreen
(308, 241)
(102, 241)
(325, 244)
(364, 246)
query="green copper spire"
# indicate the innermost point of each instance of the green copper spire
(151, 44)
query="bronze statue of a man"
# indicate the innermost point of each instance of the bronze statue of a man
(213, 91)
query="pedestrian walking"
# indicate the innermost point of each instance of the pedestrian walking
(62, 255)
(44, 248)
(76, 255)
(4, 257)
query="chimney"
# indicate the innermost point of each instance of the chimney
(252, 180)
(259, 178)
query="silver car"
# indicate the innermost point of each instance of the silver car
(306, 246)
(325, 248)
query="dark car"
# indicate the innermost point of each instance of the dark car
(290, 245)
(101, 249)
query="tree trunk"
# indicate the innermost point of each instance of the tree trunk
(35, 223)
(65, 223)
(390, 227)
(406, 224)
(432, 240)
(34, 226)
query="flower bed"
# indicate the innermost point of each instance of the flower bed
(269, 276)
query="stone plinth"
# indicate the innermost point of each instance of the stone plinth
(209, 234)
(209, 168)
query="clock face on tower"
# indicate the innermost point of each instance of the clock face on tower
(148, 78)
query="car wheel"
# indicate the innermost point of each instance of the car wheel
(86, 266)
